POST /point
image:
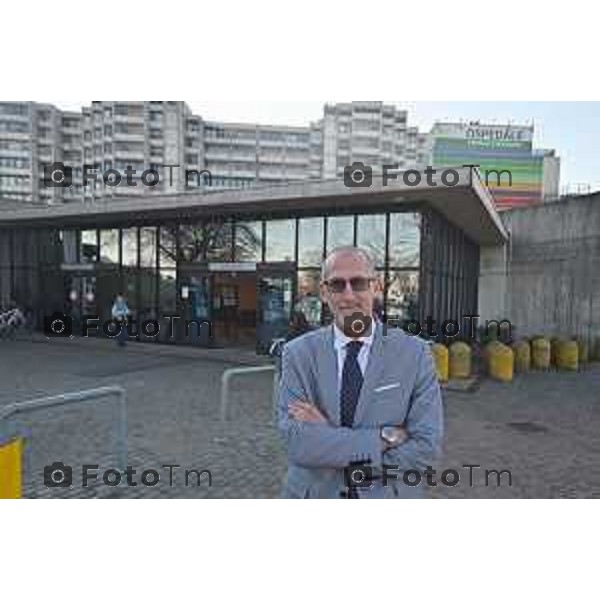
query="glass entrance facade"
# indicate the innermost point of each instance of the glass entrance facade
(247, 275)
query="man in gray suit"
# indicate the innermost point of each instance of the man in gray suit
(359, 406)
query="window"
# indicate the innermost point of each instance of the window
(248, 241)
(130, 247)
(167, 247)
(88, 250)
(308, 301)
(109, 246)
(402, 295)
(148, 247)
(192, 242)
(340, 232)
(167, 291)
(371, 237)
(281, 240)
(219, 241)
(310, 242)
(405, 236)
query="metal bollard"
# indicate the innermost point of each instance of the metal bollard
(226, 379)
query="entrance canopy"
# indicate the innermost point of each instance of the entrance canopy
(467, 205)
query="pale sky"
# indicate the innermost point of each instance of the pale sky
(572, 128)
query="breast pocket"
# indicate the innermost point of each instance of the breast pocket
(388, 404)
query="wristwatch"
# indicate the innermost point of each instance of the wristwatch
(393, 436)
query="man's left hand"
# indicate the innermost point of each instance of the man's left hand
(306, 412)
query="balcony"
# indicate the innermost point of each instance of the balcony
(242, 173)
(230, 157)
(133, 136)
(14, 118)
(132, 117)
(230, 141)
(12, 170)
(15, 153)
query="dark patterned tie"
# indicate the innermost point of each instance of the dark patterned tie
(352, 380)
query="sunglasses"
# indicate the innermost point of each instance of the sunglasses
(358, 284)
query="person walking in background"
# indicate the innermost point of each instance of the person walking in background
(120, 311)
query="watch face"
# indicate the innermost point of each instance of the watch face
(391, 435)
(388, 434)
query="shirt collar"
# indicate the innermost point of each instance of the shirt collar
(340, 339)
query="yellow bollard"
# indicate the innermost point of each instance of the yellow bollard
(459, 361)
(522, 352)
(567, 356)
(488, 349)
(554, 343)
(440, 358)
(11, 469)
(501, 362)
(540, 353)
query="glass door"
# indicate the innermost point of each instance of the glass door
(275, 302)
(195, 293)
(80, 297)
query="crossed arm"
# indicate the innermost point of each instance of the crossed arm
(313, 442)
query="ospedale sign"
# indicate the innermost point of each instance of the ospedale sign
(483, 132)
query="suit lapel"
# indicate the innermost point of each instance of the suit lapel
(373, 373)
(327, 369)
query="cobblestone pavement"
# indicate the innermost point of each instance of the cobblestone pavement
(542, 427)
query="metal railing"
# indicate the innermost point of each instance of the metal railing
(226, 380)
(36, 404)
(275, 350)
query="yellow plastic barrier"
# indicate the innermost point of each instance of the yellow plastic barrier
(459, 361)
(540, 354)
(584, 350)
(487, 351)
(567, 355)
(522, 352)
(554, 343)
(440, 358)
(11, 469)
(501, 362)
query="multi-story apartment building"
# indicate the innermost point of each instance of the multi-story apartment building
(33, 136)
(240, 155)
(165, 137)
(139, 135)
(154, 135)
(369, 132)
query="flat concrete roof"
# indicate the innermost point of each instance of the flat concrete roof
(468, 205)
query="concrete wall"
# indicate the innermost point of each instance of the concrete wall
(552, 269)
(551, 178)
(492, 283)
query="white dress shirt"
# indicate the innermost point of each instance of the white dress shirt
(340, 340)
